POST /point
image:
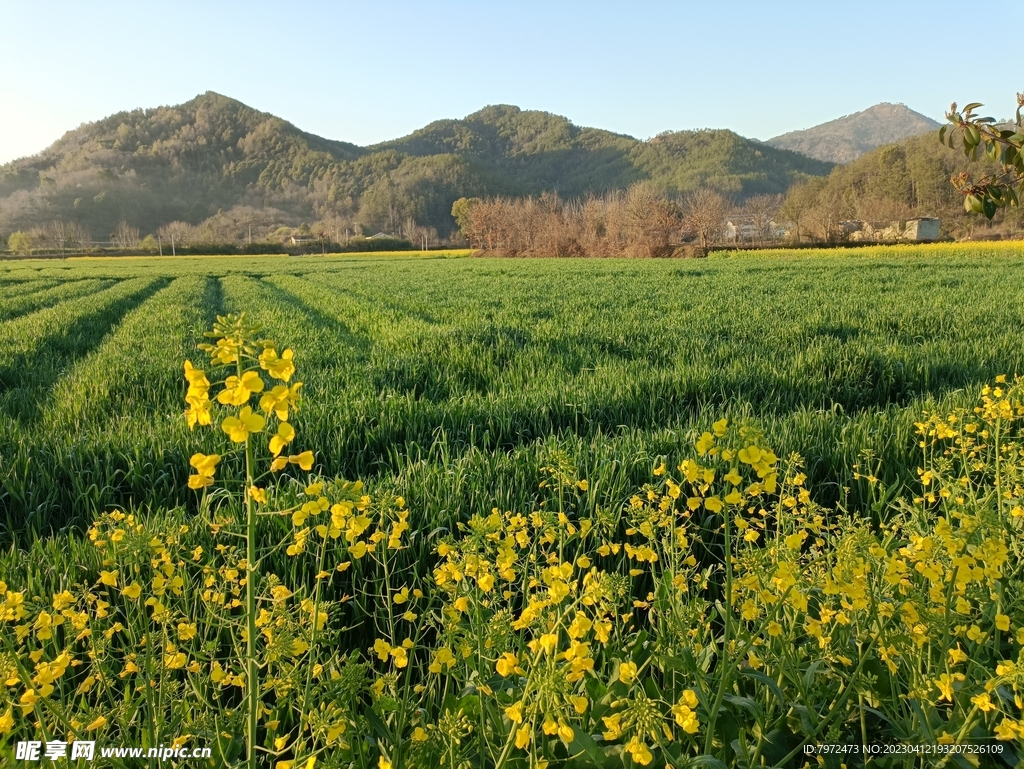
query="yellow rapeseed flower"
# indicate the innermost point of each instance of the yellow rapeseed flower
(548, 642)
(983, 702)
(285, 435)
(523, 736)
(515, 712)
(280, 367)
(1006, 730)
(237, 390)
(239, 428)
(303, 460)
(639, 751)
(133, 591)
(506, 664)
(175, 660)
(358, 550)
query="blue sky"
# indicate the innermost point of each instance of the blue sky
(367, 72)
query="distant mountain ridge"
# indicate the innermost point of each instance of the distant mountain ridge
(847, 138)
(216, 157)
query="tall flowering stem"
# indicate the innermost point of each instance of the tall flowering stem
(237, 347)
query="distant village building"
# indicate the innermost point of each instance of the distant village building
(298, 240)
(921, 229)
(742, 229)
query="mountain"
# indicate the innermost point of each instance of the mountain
(217, 161)
(847, 138)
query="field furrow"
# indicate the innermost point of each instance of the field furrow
(36, 348)
(48, 295)
(113, 422)
(454, 380)
(136, 371)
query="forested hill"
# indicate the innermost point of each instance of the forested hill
(215, 156)
(525, 152)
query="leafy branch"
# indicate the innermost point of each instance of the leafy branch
(1000, 143)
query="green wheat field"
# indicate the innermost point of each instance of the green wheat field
(582, 535)
(448, 378)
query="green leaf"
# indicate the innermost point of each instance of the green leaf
(800, 716)
(773, 687)
(973, 106)
(583, 743)
(777, 743)
(705, 761)
(989, 208)
(378, 726)
(748, 705)
(811, 672)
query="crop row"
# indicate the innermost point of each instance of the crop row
(450, 380)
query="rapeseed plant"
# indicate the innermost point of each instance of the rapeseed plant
(716, 612)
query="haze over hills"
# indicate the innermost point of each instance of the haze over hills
(847, 138)
(215, 157)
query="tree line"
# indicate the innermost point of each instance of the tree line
(639, 222)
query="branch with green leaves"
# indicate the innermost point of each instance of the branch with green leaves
(1001, 143)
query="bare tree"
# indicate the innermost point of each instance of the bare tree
(703, 213)
(177, 233)
(649, 219)
(332, 225)
(65, 236)
(762, 210)
(827, 213)
(796, 208)
(125, 236)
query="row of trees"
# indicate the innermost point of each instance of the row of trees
(638, 222)
(223, 231)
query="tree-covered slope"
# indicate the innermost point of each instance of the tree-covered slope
(527, 152)
(214, 154)
(910, 178)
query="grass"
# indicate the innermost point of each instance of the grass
(448, 379)
(451, 253)
(970, 249)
